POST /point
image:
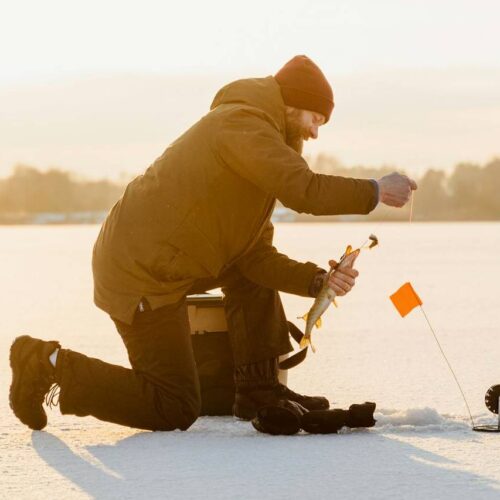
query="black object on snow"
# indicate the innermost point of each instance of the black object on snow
(492, 401)
(283, 418)
(289, 419)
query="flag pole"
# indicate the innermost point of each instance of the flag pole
(449, 366)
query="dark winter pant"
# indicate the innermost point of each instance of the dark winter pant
(161, 391)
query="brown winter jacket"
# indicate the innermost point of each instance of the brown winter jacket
(206, 203)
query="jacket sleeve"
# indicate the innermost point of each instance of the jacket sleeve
(264, 265)
(253, 147)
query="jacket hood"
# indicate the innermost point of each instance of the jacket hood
(261, 93)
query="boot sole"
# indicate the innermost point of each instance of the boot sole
(17, 363)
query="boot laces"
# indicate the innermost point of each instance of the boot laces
(288, 393)
(41, 388)
(52, 397)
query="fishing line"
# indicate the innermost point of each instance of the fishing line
(428, 322)
(386, 210)
(434, 333)
(435, 336)
(449, 365)
(411, 205)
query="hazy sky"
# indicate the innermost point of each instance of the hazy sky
(45, 47)
(51, 39)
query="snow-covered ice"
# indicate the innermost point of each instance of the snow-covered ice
(421, 447)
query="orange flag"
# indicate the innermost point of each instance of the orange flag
(405, 299)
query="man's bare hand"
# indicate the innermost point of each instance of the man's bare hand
(395, 189)
(342, 280)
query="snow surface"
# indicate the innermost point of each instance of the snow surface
(421, 447)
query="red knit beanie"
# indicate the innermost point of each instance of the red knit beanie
(304, 86)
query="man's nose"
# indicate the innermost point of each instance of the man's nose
(314, 131)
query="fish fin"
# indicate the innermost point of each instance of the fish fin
(305, 342)
(318, 323)
(334, 302)
(303, 317)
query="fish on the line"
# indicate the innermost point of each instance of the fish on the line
(326, 295)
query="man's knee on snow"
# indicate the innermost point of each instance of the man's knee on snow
(190, 407)
(190, 415)
(177, 412)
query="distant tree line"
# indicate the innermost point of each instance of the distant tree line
(29, 191)
(469, 192)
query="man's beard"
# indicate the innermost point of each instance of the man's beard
(294, 131)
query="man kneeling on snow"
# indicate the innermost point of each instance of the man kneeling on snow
(197, 219)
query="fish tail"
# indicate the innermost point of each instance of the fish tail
(306, 341)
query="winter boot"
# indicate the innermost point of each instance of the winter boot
(308, 402)
(257, 385)
(32, 378)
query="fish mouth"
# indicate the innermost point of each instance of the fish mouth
(349, 258)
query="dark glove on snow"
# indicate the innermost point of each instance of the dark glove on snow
(282, 418)
(289, 417)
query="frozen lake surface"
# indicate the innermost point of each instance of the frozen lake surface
(422, 446)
